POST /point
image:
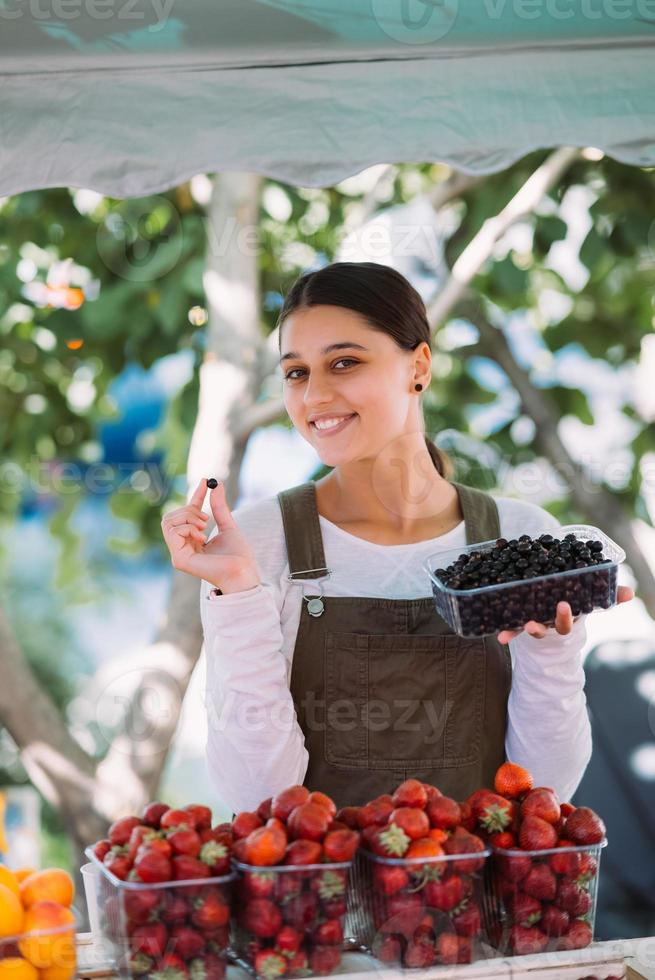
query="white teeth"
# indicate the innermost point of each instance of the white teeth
(330, 423)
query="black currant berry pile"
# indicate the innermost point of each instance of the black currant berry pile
(517, 561)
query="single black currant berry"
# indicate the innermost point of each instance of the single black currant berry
(212, 483)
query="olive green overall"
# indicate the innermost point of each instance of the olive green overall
(383, 689)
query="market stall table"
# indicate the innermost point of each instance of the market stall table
(630, 958)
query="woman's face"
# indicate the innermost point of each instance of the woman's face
(367, 383)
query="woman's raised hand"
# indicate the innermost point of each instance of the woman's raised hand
(227, 560)
(563, 619)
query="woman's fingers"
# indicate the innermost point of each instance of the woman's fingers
(624, 593)
(563, 620)
(220, 510)
(187, 531)
(198, 496)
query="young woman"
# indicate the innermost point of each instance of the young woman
(327, 662)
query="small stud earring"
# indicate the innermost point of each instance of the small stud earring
(418, 387)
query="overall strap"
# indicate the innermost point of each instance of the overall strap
(480, 514)
(302, 532)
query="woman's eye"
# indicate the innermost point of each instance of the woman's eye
(342, 360)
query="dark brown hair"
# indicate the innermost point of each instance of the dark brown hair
(384, 297)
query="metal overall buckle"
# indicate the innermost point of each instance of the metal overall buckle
(316, 605)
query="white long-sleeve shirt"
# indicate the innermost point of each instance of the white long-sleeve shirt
(255, 746)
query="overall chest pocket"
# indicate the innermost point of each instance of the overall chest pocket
(403, 700)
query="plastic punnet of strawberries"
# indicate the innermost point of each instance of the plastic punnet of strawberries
(544, 866)
(292, 857)
(165, 892)
(419, 877)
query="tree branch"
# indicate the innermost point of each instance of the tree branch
(481, 246)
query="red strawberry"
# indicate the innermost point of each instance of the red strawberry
(297, 965)
(209, 966)
(512, 781)
(578, 936)
(451, 948)
(410, 793)
(376, 813)
(566, 863)
(566, 809)
(216, 856)
(210, 910)
(444, 895)
(265, 846)
(467, 920)
(288, 940)
(588, 867)
(187, 942)
(141, 905)
(258, 884)
(186, 868)
(244, 823)
(202, 816)
(322, 799)
(350, 816)
(390, 879)
(334, 907)
(530, 939)
(269, 964)
(526, 911)
(116, 861)
(340, 845)
(541, 802)
(261, 917)
(169, 967)
(494, 813)
(310, 821)
(387, 949)
(432, 792)
(554, 921)
(140, 835)
(419, 954)
(468, 817)
(504, 839)
(391, 841)
(463, 842)
(263, 811)
(185, 841)
(176, 818)
(301, 911)
(444, 813)
(514, 866)
(174, 907)
(152, 813)
(583, 826)
(412, 820)
(120, 830)
(536, 834)
(100, 848)
(330, 883)
(149, 939)
(283, 803)
(324, 960)
(573, 899)
(540, 882)
(328, 933)
(288, 885)
(303, 852)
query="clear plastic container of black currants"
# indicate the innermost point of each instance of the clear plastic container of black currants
(502, 584)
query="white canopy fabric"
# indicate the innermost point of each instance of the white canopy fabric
(130, 97)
